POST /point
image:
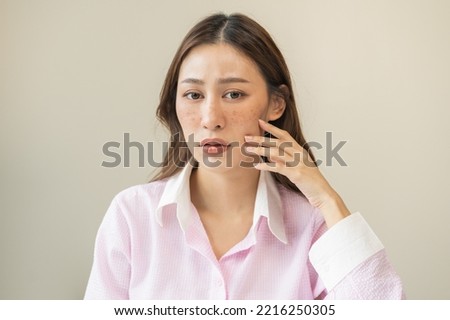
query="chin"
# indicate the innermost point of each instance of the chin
(225, 162)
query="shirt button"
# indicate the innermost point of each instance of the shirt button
(220, 283)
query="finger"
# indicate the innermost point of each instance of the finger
(263, 141)
(284, 147)
(277, 167)
(271, 166)
(289, 160)
(275, 131)
(290, 145)
(273, 154)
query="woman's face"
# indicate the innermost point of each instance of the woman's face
(221, 94)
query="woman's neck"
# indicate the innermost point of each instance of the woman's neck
(229, 193)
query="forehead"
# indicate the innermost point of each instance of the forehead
(218, 60)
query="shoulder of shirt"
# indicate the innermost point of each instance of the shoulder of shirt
(297, 205)
(150, 191)
(292, 196)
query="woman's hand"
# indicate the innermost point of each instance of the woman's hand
(288, 158)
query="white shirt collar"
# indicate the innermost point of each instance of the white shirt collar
(267, 202)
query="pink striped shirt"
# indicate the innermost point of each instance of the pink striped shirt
(152, 245)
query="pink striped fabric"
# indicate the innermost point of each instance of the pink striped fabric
(152, 245)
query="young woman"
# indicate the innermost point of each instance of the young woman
(239, 209)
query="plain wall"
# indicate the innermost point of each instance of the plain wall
(77, 74)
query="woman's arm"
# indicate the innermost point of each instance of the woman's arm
(110, 274)
(347, 255)
(288, 158)
(352, 263)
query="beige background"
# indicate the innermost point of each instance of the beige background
(76, 74)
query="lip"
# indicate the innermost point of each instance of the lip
(213, 141)
(214, 146)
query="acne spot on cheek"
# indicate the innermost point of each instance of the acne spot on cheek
(248, 121)
(253, 114)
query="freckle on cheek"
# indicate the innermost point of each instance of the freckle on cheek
(186, 115)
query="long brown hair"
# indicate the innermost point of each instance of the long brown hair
(251, 39)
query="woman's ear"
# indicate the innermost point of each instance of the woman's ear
(278, 103)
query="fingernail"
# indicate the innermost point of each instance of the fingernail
(256, 165)
(248, 138)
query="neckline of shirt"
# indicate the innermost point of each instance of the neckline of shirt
(267, 202)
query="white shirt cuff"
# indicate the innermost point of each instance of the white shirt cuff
(342, 248)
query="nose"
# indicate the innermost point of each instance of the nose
(212, 115)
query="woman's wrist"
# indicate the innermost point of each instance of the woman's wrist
(334, 209)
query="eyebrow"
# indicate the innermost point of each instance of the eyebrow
(220, 81)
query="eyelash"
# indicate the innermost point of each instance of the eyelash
(241, 94)
(189, 95)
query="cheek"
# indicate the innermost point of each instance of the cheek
(188, 119)
(248, 121)
(251, 114)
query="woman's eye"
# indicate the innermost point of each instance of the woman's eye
(193, 95)
(233, 95)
